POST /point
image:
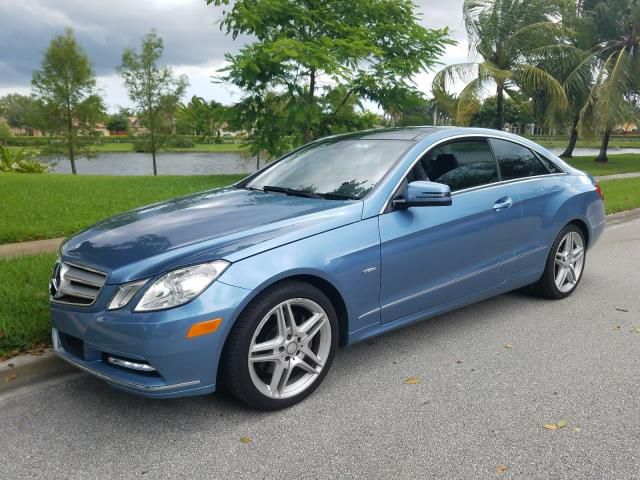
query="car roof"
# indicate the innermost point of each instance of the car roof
(398, 133)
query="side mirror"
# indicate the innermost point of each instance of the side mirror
(424, 194)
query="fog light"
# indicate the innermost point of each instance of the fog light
(142, 367)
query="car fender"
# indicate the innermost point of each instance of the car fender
(348, 258)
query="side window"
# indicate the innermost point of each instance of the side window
(553, 168)
(460, 165)
(516, 161)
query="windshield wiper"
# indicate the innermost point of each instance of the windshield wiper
(289, 191)
(244, 187)
(338, 196)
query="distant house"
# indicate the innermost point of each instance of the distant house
(626, 128)
(23, 131)
(136, 127)
(102, 129)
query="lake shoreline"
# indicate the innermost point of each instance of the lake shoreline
(203, 163)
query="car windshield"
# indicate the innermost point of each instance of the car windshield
(343, 169)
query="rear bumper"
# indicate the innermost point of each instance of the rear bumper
(183, 366)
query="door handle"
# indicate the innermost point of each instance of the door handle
(502, 204)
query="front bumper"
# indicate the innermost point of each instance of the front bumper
(86, 337)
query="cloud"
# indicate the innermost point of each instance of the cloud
(194, 43)
(105, 28)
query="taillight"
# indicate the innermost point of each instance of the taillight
(599, 190)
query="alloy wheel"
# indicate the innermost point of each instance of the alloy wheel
(569, 261)
(289, 348)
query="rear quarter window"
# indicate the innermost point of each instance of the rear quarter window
(516, 161)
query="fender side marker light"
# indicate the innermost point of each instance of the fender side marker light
(204, 328)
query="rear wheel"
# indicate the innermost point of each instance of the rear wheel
(565, 264)
(281, 347)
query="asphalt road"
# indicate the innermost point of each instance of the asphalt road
(491, 375)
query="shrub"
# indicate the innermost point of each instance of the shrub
(180, 142)
(20, 162)
(141, 145)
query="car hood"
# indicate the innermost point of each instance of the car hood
(226, 224)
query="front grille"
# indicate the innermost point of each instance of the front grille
(75, 285)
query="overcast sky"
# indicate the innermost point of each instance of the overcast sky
(194, 44)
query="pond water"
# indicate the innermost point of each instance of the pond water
(199, 163)
(168, 164)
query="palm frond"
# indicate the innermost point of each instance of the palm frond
(533, 78)
(607, 106)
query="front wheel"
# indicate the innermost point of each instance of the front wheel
(565, 264)
(281, 347)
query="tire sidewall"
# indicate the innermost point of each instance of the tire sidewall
(236, 364)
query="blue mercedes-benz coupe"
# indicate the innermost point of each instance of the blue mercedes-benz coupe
(255, 285)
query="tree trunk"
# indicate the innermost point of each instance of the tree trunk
(72, 153)
(153, 145)
(568, 152)
(308, 132)
(500, 107)
(258, 161)
(602, 156)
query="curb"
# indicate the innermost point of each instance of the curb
(24, 374)
(626, 216)
(30, 248)
(617, 176)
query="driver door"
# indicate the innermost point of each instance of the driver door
(432, 256)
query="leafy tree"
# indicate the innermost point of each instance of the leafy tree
(65, 89)
(5, 131)
(18, 110)
(199, 117)
(515, 112)
(370, 48)
(118, 122)
(153, 89)
(343, 116)
(420, 111)
(615, 59)
(510, 37)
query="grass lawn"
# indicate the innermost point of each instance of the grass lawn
(24, 316)
(623, 163)
(595, 143)
(48, 206)
(622, 194)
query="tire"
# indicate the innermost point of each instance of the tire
(289, 358)
(552, 285)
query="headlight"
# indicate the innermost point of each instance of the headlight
(180, 286)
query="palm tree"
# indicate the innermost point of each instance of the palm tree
(509, 37)
(616, 57)
(453, 108)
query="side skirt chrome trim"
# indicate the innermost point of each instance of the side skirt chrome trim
(464, 277)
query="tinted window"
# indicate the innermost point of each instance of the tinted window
(460, 165)
(336, 168)
(552, 167)
(516, 161)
